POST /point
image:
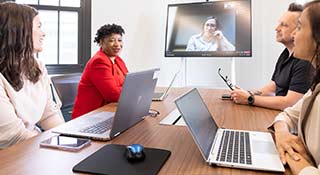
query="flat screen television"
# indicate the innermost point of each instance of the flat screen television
(209, 29)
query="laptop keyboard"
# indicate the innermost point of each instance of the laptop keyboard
(235, 148)
(99, 128)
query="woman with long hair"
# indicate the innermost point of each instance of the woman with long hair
(25, 94)
(302, 152)
(210, 39)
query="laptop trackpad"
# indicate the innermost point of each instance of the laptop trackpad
(263, 147)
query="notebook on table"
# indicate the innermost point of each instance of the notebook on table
(134, 103)
(227, 147)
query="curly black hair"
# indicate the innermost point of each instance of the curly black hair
(107, 30)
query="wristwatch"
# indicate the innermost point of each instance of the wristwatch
(250, 99)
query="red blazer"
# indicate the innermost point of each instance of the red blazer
(98, 85)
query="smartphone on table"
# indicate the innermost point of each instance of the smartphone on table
(226, 97)
(65, 143)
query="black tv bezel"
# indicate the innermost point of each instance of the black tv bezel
(206, 53)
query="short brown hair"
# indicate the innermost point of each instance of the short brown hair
(294, 7)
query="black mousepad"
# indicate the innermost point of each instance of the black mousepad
(111, 159)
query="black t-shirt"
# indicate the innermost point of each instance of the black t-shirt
(292, 74)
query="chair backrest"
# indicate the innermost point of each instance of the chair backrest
(66, 86)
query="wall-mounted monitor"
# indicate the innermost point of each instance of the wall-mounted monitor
(209, 29)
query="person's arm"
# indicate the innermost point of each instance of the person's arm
(12, 128)
(287, 142)
(223, 43)
(301, 166)
(52, 115)
(310, 170)
(267, 90)
(103, 79)
(277, 102)
(283, 126)
(299, 84)
(289, 117)
(240, 96)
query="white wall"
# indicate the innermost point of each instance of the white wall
(145, 21)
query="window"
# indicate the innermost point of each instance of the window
(67, 24)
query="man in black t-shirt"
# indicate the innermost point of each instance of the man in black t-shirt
(291, 78)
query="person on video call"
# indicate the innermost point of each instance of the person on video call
(211, 39)
(25, 93)
(302, 151)
(104, 74)
(291, 78)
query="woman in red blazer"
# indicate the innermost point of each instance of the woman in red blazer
(104, 74)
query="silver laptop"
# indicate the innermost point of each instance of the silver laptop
(159, 96)
(226, 147)
(134, 103)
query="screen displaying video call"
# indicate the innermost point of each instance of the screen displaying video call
(209, 29)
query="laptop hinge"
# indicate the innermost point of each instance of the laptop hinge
(213, 145)
(214, 141)
(116, 134)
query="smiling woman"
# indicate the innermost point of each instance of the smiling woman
(67, 24)
(104, 74)
(211, 38)
(25, 94)
(302, 152)
(37, 34)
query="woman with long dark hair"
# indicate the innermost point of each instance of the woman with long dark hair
(25, 94)
(210, 39)
(302, 152)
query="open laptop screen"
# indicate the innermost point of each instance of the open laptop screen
(171, 83)
(199, 120)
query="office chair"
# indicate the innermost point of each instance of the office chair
(66, 86)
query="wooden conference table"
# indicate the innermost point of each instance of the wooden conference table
(28, 158)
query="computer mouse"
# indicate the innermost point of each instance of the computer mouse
(135, 153)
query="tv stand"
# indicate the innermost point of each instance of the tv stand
(233, 70)
(183, 69)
